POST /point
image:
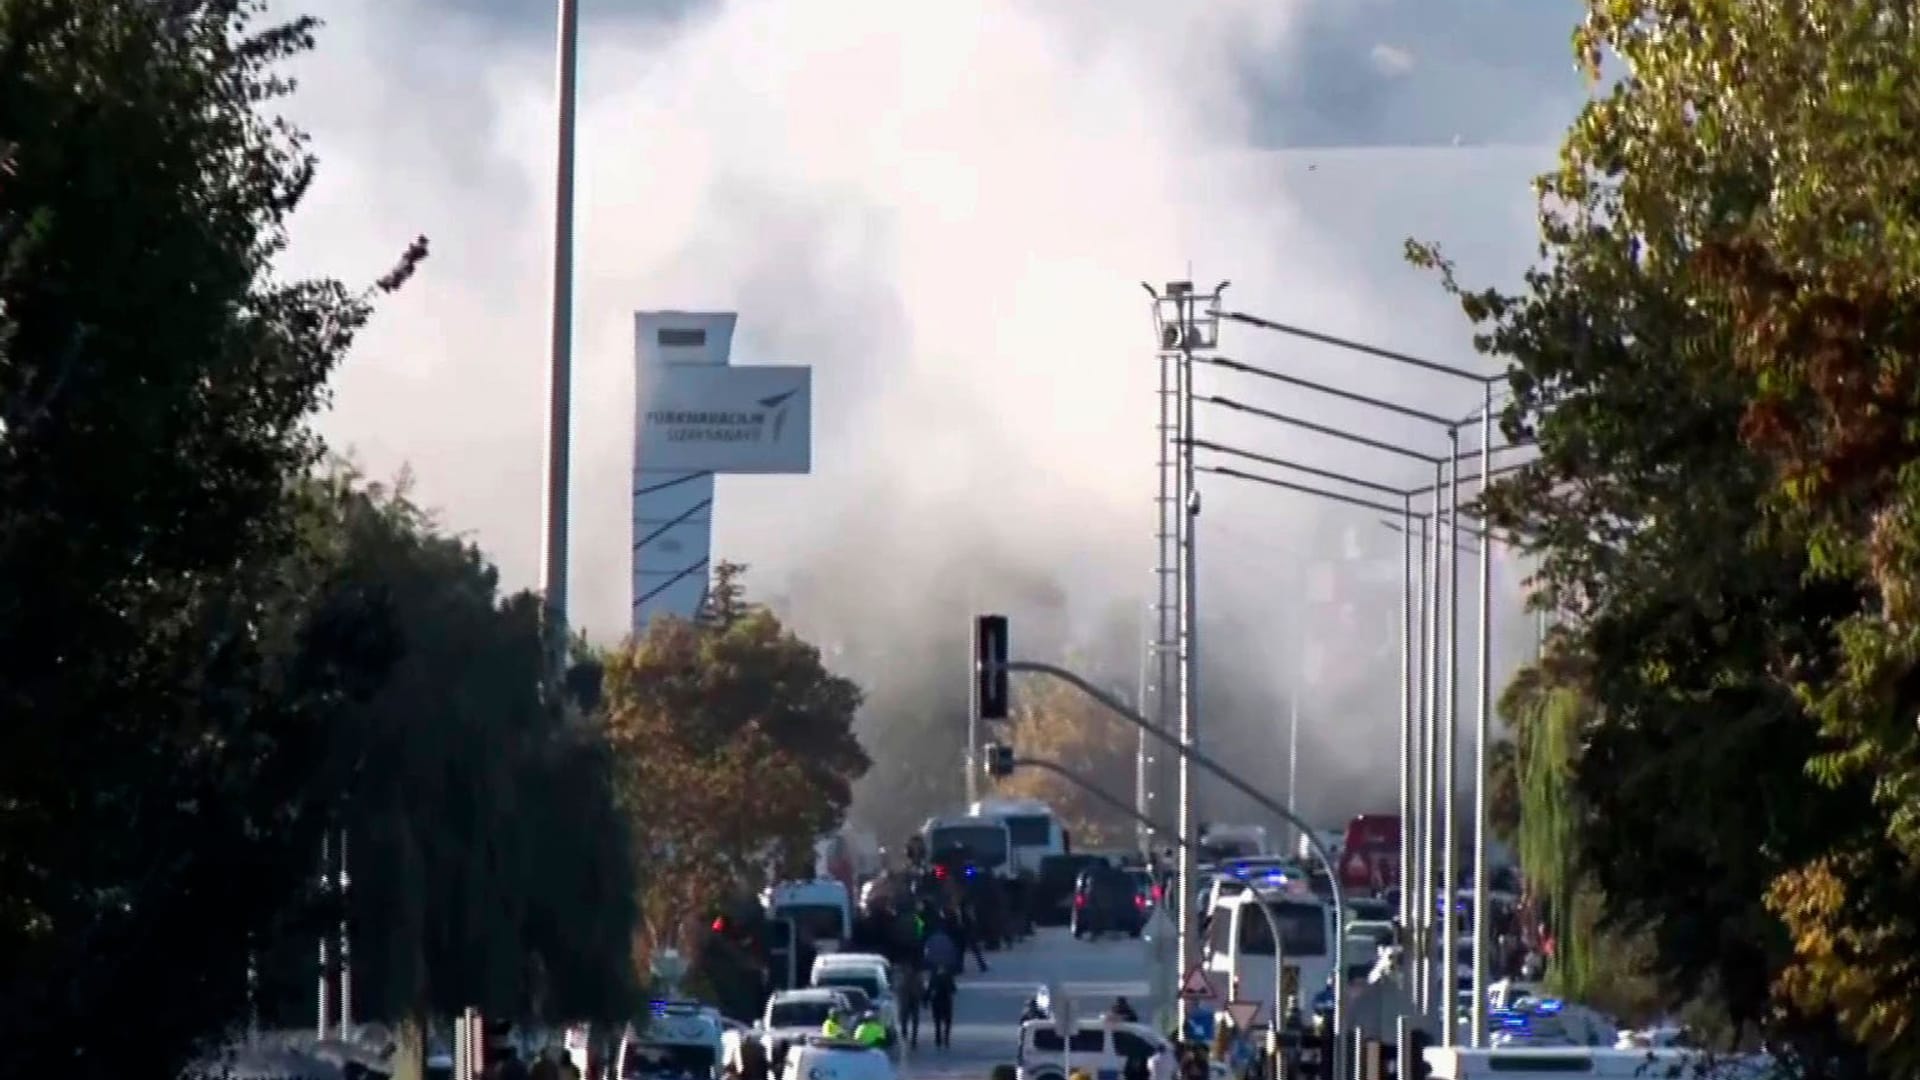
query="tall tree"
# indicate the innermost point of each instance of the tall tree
(1770, 148)
(166, 680)
(491, 864)
(735, 753)
(1686, 605)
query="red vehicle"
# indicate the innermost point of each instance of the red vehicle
(1370, 856)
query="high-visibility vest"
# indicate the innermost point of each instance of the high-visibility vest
(870, 1033)
(833, 1029)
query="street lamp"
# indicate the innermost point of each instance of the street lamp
(553, 577)
(1439, 748)
(1483, 723)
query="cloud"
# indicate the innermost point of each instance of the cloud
(945, 208)
(1390, 61)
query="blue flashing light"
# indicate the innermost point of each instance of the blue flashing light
(971, 871)
(1548, 1006)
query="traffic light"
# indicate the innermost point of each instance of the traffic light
(990, 666)
(999, 760)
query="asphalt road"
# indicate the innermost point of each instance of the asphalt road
(987, 1011)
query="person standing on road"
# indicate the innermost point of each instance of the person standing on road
(970, 936)
(940, 991)
(940, 952)
(912, 989)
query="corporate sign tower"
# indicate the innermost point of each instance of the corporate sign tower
(699, 416)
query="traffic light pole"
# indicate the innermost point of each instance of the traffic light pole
(993, 669)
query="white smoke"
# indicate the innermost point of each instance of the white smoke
(945, 208)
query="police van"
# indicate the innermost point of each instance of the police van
(836, 1059)
(985, 841)
(821, 910)
(680, 1039)
(1240, 945)
(1461, 1063)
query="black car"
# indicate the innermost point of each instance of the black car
(1107, 901)
(1050, 900)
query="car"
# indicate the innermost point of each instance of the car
(868, 973)
(1107, 901)
(792, 1016)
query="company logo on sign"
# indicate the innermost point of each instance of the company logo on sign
(764, 424)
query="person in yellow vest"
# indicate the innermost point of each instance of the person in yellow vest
(835, 1027)
(870, 1032)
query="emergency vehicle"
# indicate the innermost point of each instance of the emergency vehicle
(1461, 1063)
(821, 910)
(680, 1039)
(1033, 833)
(836, 1059)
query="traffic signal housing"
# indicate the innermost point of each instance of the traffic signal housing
(993, 694)
(999, 760)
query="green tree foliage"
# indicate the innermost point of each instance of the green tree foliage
(1770, 150)
(167, 663)
(491, 866)
(1689, 608)
(734, 751)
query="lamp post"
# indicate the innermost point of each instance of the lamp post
(553, 582)
(1434, 781)
(1483, 723)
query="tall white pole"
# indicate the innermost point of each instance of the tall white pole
(346, 944)
(1142, 835)
(1408, 765)
(1483, 734)
(1293, 753)
(1449, 737)
(1187, 658)
(1430, 782)
(323, 1020)
(553, 583)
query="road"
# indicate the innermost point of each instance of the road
(987, 1012)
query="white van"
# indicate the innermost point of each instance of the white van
(1240, 946)
(680, 1038)
(1097, 1046)
(1460, 1063)
(820, 909)
(986, 841)
(1033, 833)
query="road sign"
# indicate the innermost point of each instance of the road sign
(1243, 1014)
(1198, 985)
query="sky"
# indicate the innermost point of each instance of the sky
(947, 210)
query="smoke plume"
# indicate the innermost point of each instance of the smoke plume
(945, 208)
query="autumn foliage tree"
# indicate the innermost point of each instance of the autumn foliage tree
(735, 752)
(1054, 722)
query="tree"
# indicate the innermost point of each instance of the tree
(1054, 722)
(734, 753)
(1769, 149)
(1685, 602)
(491, 864)
(167, 668)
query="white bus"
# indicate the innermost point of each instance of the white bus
(1033, 833)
